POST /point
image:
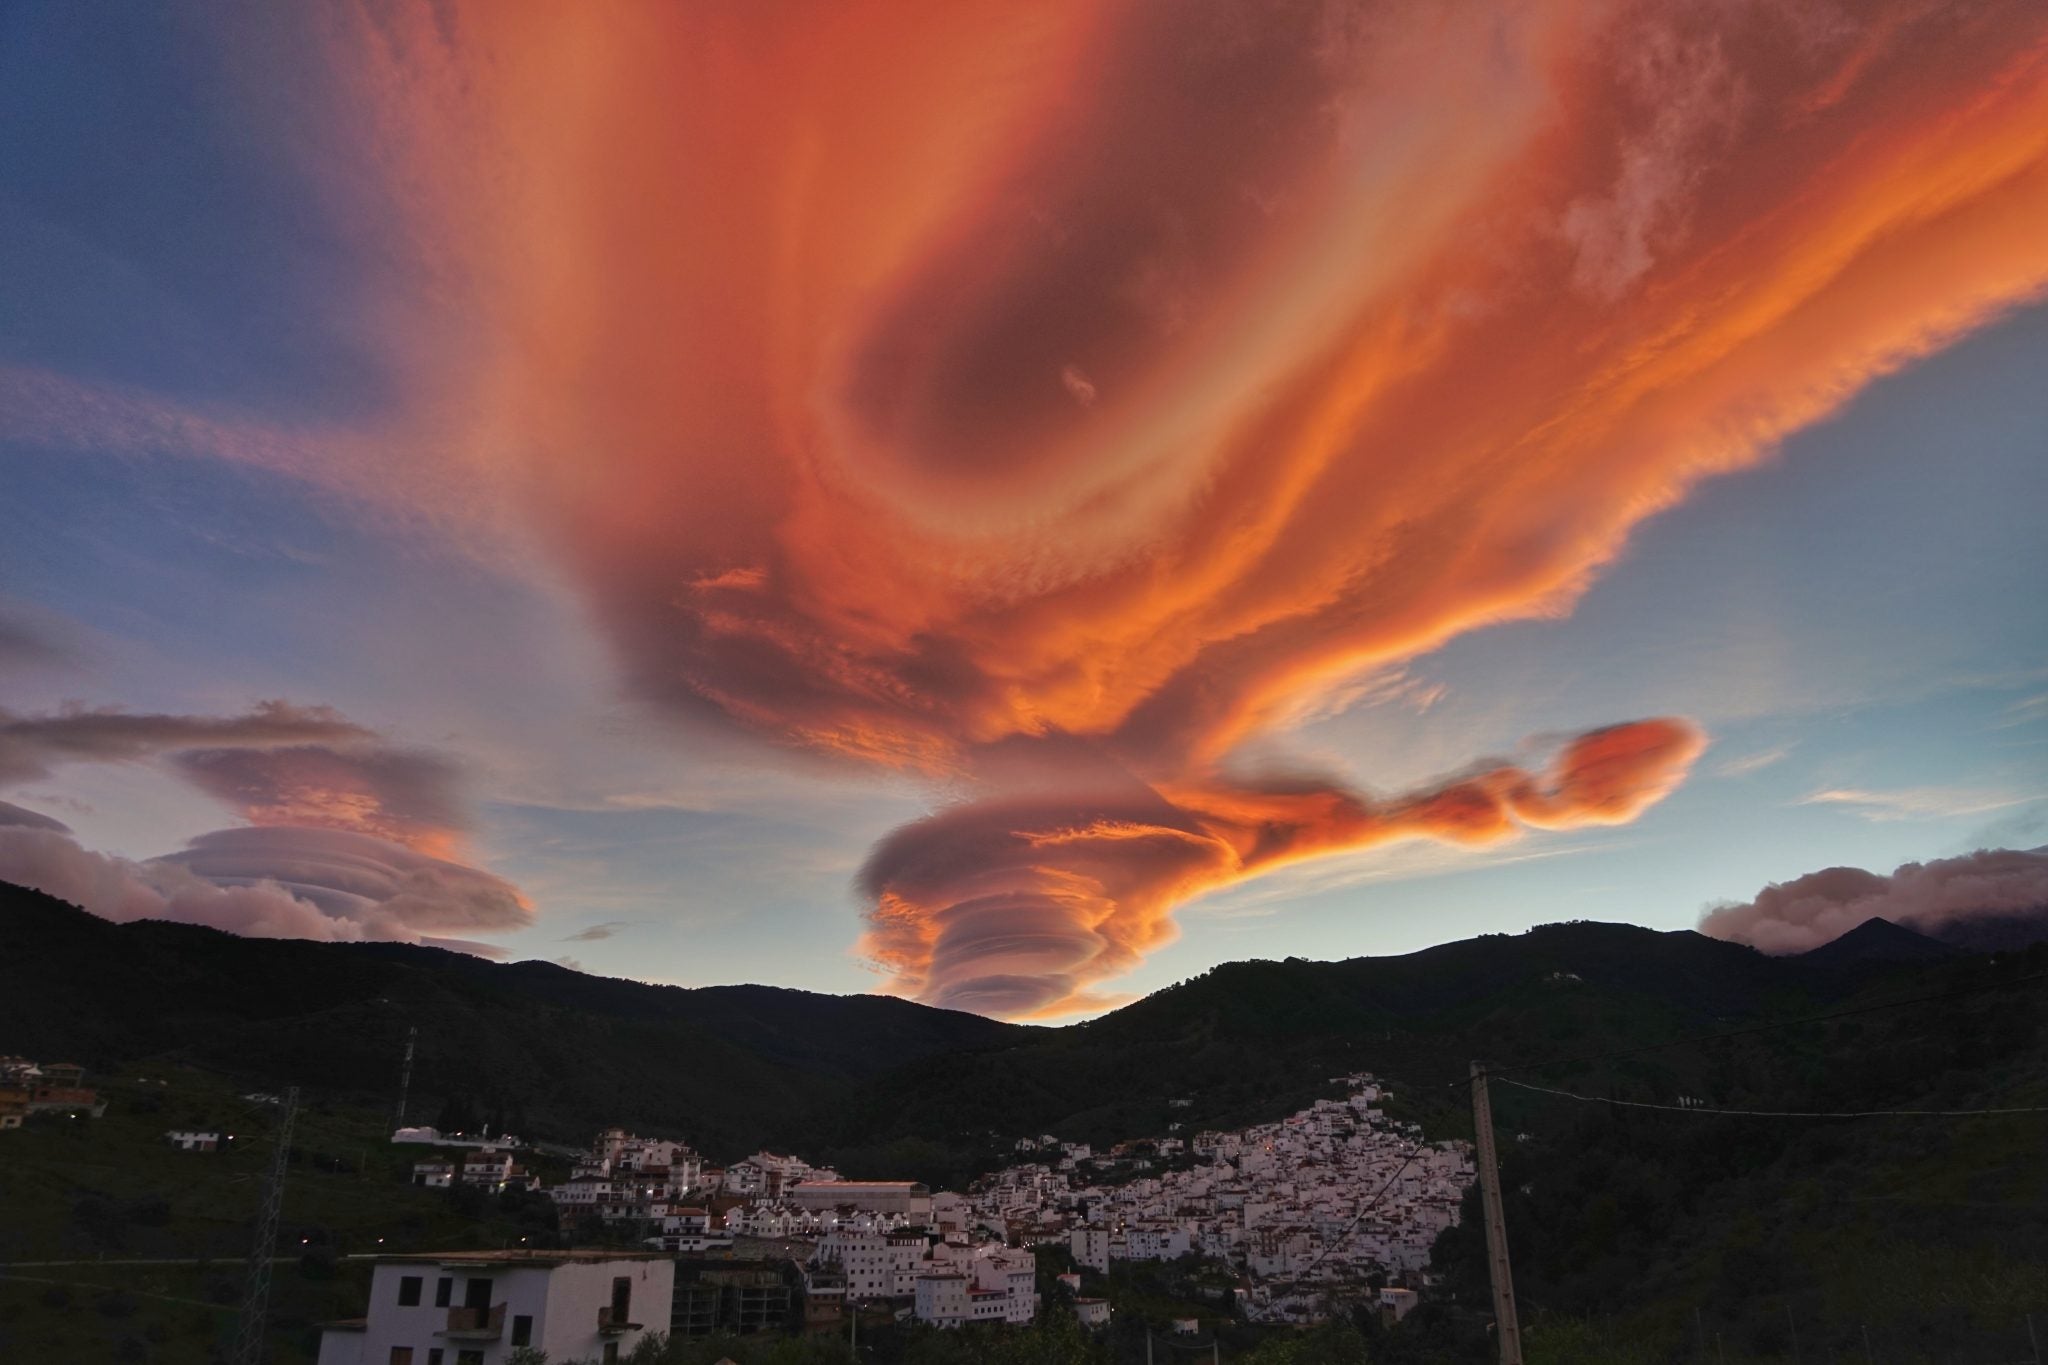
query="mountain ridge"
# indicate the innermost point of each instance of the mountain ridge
(884, 1085)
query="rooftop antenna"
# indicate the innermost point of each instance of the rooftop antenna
(249, 1327)
(412, 1037)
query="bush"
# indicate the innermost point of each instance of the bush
(115, 1303)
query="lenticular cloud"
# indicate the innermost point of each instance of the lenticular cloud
(1079, 389)
(273, 883)
(350, 838)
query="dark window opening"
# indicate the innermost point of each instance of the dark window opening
(408, 1292)
(444, 1294)
(522, 1330)
(622, 1298)
(477, 1294)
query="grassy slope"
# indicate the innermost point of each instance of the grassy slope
(1635, 1233)
(109, 1189)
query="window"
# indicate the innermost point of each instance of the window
(408, 1297)
(469, 1358)
(444, 1292)
(401, 1355)
(611, 1353)
(522, 1330)
(434, 1355)
(622, 1299)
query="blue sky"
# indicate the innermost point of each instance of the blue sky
(205, 270)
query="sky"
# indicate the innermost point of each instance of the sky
(1013, 505)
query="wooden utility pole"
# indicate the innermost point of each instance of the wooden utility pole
(1507, 1332)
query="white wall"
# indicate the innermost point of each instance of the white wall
(562, 1300)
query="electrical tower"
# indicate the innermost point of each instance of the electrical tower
(248, 1348)
(412, 1036)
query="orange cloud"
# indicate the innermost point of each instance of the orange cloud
(408, 796)
(930, 384)
(1019, 906)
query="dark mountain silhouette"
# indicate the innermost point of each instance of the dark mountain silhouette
(1879, 940)
(729, 1065)
(883, 1085)
(1997, 933)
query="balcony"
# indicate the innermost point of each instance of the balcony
(475, 1324)
(610, 1326)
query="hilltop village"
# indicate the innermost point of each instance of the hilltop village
(1332, 1204)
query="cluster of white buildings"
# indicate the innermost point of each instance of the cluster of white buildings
(869, 1241)
(1300, 1208)
(944, 1280)
(1305, 1211)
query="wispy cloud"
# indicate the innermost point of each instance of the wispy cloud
(597, 932)
(2025, 711)
(1918, 803)
(1745, 764)
(1271, 895)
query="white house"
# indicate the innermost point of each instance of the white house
(187, 1141)
(1090, 1247)
(689, 1229)
(997, 1285)
(478, 1307)
(1399, 1302)
(941, 1300)
(1156, 1242)
(864, 1258)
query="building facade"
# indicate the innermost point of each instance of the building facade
(478, 1307)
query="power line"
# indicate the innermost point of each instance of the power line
(1776, 1113)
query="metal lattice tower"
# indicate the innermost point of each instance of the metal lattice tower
(412, 1036)
(248, 1349)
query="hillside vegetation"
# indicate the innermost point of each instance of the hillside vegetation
(1638, 1234)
